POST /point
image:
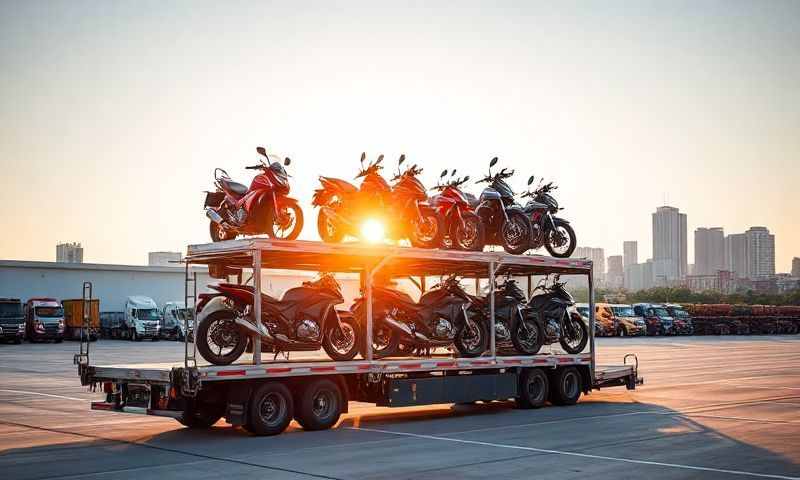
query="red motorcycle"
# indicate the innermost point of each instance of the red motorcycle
(265, 207)
(376, 211)
(464, 229)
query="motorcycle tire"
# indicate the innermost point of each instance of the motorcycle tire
(532, 346)
(434, 240)
(348, 323)
(205, 349)
(571, 238)
(476, 241)
(475, 349)
(522, 242)
(219, 234)
(273, 231)
(392, 342)
(584, 332)
(327, 230)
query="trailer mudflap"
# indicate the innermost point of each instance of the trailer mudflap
(404, 392)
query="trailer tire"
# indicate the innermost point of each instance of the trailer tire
(201, 416)
(319, 405)
(533, 388)
(565, 386)
(271, 409)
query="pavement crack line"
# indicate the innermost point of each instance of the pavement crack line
(172, 450)
(581, 455)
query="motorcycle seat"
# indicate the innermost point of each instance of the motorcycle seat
(234, 188)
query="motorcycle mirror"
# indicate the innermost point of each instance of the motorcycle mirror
(444, 173)
(530, 180)
(363, 157)
(261, 150)
(453, 172)
(380, 159)
(466, 179)
(402, 159)
(493, 162)
(287, 161)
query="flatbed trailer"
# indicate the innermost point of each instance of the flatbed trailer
(263, 396)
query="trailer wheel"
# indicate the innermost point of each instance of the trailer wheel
(319, 405)
(533, 388)
(201, 416)
(565, 386)
(271, 409)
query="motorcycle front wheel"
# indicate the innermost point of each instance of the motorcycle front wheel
(560, 242)
(428, 231)
(341, 344)
(219, 340)
(528, 338)
(575, 342)
(516, 233)
(473, 339)
(471, 236)
(288, 224)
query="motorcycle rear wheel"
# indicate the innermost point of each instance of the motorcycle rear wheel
(388, 343)
(473, 345)
(219, 234)
(529, 338)
(333, 344)
(328, 231)
(238, 341)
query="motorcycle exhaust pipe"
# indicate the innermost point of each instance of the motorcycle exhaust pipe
(215, 217)
(252, 329)
(402, 327)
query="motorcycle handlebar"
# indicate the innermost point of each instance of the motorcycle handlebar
(254, 167)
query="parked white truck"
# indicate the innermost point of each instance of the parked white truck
(174, 317)
(142, 318)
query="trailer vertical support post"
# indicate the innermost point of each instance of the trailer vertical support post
(530, 287)
(368, 293)
(591, 320)
(257, 303)
(492, 332)
(423, 283)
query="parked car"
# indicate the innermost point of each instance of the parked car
(605, 324)
(12, 320)
(44, 320)
(656, 317)
(682, 319)
(624, 320)
(583, 311)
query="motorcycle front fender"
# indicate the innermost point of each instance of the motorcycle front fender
(558, 219)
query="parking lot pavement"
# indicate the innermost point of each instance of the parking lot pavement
(711, 407)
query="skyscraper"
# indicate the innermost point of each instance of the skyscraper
(796, 267)
(669, 245)
(615, 274)
(736, 255)
(630, 251)
(598, 258)
(709, 251)
(760, 252)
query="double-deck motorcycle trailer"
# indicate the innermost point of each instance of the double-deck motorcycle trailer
(316, 391)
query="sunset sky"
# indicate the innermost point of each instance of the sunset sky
(114, 114)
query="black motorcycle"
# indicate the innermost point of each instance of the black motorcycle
(509, 313)
(445, 315)
(505, 222)
(550, 318)
(303, 320)
(554, 233)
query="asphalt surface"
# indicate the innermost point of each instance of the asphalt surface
(711, 407)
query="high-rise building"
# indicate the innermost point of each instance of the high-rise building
(598, 258)
(669, 244)
(639, 276)
(615, 274)
(736, 255)
(630, 252)
(69, 253)
(709, 251)
(760, 252)
(796, 267)
(164, 259)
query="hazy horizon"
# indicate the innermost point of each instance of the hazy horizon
(115, 114)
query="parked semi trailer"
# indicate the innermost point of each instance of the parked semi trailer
(74, 318)
(264, 395)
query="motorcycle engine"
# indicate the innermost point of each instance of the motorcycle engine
(241, 216)
(443, 329)
(502, 332)
(308, 330)
(553, 328)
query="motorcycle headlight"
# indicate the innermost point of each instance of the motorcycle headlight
(61, 325)
(21, 327)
